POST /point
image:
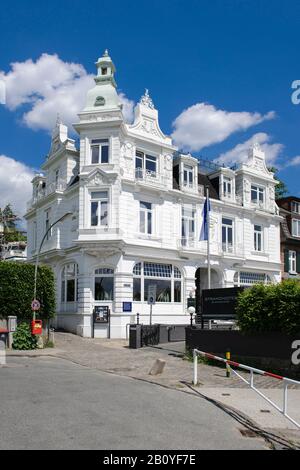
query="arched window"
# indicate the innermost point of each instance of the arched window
(104, 284)
(69, 283)
(244, 278)
(166, 278)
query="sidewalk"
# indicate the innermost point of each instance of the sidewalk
(114, 356)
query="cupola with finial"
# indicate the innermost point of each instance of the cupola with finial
(103, 96)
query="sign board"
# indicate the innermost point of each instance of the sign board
(35, 305)
(151, 294)
(101, 314)
(127, 306)
(219, 304)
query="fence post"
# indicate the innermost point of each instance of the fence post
(285, 390)
(227, 365)
(195, 357)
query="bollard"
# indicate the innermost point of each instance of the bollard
(195, 378)
(227, 365)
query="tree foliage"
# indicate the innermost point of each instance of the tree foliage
(9, 221)
(17, 286)
(22, 338)
(281, 188)
(273, 308)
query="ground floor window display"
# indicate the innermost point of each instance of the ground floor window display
(104, 284)
(166, 277)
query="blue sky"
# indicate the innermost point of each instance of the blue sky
(233, 56)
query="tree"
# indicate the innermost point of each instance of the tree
(281, 188)
(8, 223)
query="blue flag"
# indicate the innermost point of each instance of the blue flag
(204, 227)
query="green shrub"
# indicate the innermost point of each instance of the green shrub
(270, 308)
(17, 287)
(22, 338)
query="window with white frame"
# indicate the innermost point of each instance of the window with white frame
(146, 218)
(34, 235)
(104, 284)
(227, 186)
(187, 225)
(257, 194)
(227, 234)
(166, 277)
(69, 283)
(99, 208)
(292, 262)
(145, 165)
(188, 176)
(245, 278)
(48, 224)
(56, 177)
(258, 238)
(296, 227)
(99, 151)
(296, 207)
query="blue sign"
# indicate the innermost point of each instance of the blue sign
(127, 306)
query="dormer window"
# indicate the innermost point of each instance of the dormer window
(99, 151)
(227, 187)
(296, 207)
(188, 176)
(257, 194)
(145, 165)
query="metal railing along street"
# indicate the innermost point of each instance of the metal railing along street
(286, 381)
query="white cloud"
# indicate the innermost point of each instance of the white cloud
(50, 86)
(239, 153)
(15, 184)
(295, 161)
(128, 107)
(202, 125)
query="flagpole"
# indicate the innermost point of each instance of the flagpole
(208, 241)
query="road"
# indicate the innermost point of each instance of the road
(51, 403)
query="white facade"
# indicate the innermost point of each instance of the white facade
(136, 207)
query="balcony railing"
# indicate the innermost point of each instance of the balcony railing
(144, 174)
(221, 249)
(55, 186)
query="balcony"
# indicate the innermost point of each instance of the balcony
(149, 177)
(56, 186)
(218, 249)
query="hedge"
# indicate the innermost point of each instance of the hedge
(273, 308)
(17, 287)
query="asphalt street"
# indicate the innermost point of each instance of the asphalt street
(51, 403)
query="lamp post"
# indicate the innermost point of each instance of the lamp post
(39, 251)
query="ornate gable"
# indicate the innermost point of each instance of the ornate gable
(146, 121)
(98, 177)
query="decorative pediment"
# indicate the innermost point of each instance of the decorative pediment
(256, 161)
(146, 121)
(98, 177)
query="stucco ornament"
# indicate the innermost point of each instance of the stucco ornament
(100, 101)
(146, 100)
(127, 150)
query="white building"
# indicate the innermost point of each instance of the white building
(136, 208)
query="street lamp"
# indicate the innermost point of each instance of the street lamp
(39, 251)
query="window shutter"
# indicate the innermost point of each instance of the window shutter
(298, 262)
(286, 261)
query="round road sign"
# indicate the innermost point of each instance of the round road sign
(35, 305)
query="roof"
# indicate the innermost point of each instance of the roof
(282, 200)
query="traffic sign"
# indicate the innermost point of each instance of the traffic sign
(35, 305)
(151, 294)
